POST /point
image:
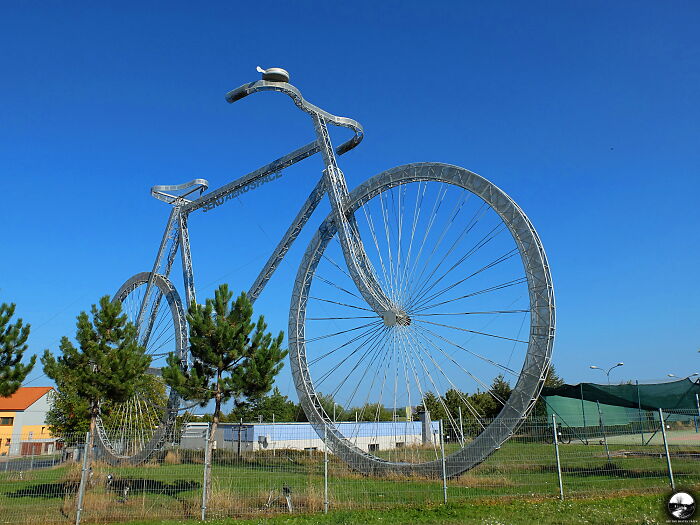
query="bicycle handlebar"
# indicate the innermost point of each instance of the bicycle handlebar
(289, 90)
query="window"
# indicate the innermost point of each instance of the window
(373, 447)
(399, 444)
(7, 421)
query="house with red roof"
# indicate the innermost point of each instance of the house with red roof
(23, 430)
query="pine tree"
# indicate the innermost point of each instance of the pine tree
(13, 344)
(552, 379)
(232, 357)
(108, 366)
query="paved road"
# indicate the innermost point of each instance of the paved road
(25, 464)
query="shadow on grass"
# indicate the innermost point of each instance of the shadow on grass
(152, 486)
(610, 470)
(46, 490)
(122, 487)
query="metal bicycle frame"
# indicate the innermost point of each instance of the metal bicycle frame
(332, 182)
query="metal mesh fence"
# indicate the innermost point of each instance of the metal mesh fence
(263, 469)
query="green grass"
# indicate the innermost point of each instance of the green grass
(638, 509)
(254, 485)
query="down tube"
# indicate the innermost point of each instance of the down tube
(285, 244)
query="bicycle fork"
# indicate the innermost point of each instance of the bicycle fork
(358, 263)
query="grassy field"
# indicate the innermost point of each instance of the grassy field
(638, 509)
(256, 485)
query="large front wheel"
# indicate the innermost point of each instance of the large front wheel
(132, 431)
(468, 336)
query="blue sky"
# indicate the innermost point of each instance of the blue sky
(586, 113)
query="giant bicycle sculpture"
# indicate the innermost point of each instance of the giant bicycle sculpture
(425, 279)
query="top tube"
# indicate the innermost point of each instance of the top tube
(291, 91)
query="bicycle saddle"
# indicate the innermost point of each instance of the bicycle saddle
(160, 192)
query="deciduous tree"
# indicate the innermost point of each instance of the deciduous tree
(268, 407)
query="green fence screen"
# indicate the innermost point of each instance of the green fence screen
(577, 404)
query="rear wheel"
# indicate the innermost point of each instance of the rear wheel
(132, 431)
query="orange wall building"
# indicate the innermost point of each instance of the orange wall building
(23, 430)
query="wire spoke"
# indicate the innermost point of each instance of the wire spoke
(495, 288)
(470, 331)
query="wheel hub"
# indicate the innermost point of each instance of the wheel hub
(396, 317)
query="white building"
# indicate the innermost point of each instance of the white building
(367, 436)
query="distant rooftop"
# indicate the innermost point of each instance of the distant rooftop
(24, 398)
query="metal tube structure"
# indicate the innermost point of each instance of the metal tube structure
(387, 301)
(668, 456)
(556, 455)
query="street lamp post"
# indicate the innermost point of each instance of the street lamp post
(686, 377)
(607, 372)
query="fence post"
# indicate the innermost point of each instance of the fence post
(602, 430)
(207, 470)
(556, 454)
(31, 452)
(668, 457)
(240, 429)
(444, 471)
(83, 479)
(639, 406)
(583, 414)
(325, 467)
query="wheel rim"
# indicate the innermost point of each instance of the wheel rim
(376, 354)
(132, 431)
